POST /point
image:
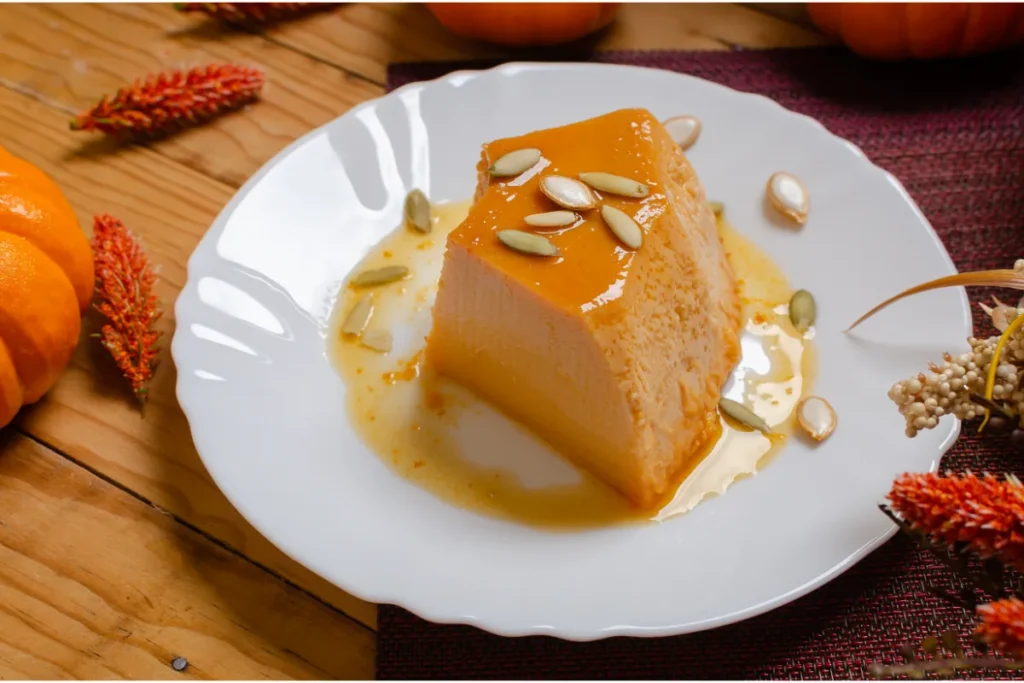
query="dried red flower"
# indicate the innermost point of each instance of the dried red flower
(173, 99)
(250, 12)
(124, 292)
(1002, 626)
(986, 513)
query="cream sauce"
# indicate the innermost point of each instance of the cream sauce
(441, 437)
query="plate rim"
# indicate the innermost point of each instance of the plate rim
(419, 607)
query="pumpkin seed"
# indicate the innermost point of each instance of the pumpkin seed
(816, 416)
(355, 321)
(527, 243)
(552, 219)
(743, 415)
(614, 184)
(622, 226)
(417, 210)
(380, 276)
(684, 130)
(515, 162)
(802, 310)
(718, 208)
(567, 192)
(789, 196)
(378, 340)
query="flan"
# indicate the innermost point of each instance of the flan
(614, 355)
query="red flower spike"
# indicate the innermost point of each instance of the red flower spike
(173, 99)
(250, 12)
(1002, 626)
(986, 513)
(124, 292)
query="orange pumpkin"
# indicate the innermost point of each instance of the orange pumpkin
(46, 282)
(905, 30)
(524, 24)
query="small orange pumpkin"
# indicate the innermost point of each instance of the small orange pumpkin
(46, 282)
(906, 30)
(524, 24)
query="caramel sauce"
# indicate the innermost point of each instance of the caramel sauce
(444, 439)
(592, 265)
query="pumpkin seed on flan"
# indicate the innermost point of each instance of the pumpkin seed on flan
(527, 243)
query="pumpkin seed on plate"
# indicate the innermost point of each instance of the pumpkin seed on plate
(515, 162)
(527, 243)
(803, 311)
(378, 340)
(817, 417)
(417, 210)
(743, 415)
(355, 321)
(789, 196)
(380, 276)
(622, 226)
(684, 130)
(614, 184)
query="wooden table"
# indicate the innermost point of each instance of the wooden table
(117, 552)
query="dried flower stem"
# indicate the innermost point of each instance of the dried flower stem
(169, 100)
(954, 561)
(251, 12)
(918, 668)
(968, 385)
(124, 289)
(984, 514)
(990, 380)
(1013, 279)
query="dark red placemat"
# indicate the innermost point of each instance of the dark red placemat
(953, 133)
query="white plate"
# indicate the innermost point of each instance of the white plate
(268, 416)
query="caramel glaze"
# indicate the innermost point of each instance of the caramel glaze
(591, 263)
(418, 423)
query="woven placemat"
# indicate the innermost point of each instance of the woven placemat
(953, 133)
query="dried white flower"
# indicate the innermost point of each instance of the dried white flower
(1002, 315)
(946, 389)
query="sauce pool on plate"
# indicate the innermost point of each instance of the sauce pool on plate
(442, 438)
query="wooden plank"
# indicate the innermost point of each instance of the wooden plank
(671, 26)
(793, 12)
(365, 38)
(70, 55)
(89, 415)
(96, 584)
(63, 56)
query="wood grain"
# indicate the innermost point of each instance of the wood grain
(95, 584)
(58, 59)
(70, 55)
(792, 12)
(365, 38)
(89, 414)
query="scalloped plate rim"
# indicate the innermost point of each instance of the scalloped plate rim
(423, 607)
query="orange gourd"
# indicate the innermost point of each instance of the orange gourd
(46, 282)
(904, 30)
(524, 24)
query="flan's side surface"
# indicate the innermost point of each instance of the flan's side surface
(535, 362)
(615, 356)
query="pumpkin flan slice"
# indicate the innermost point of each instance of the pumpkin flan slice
(616, 356)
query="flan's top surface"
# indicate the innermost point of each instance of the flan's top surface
(592, 265)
